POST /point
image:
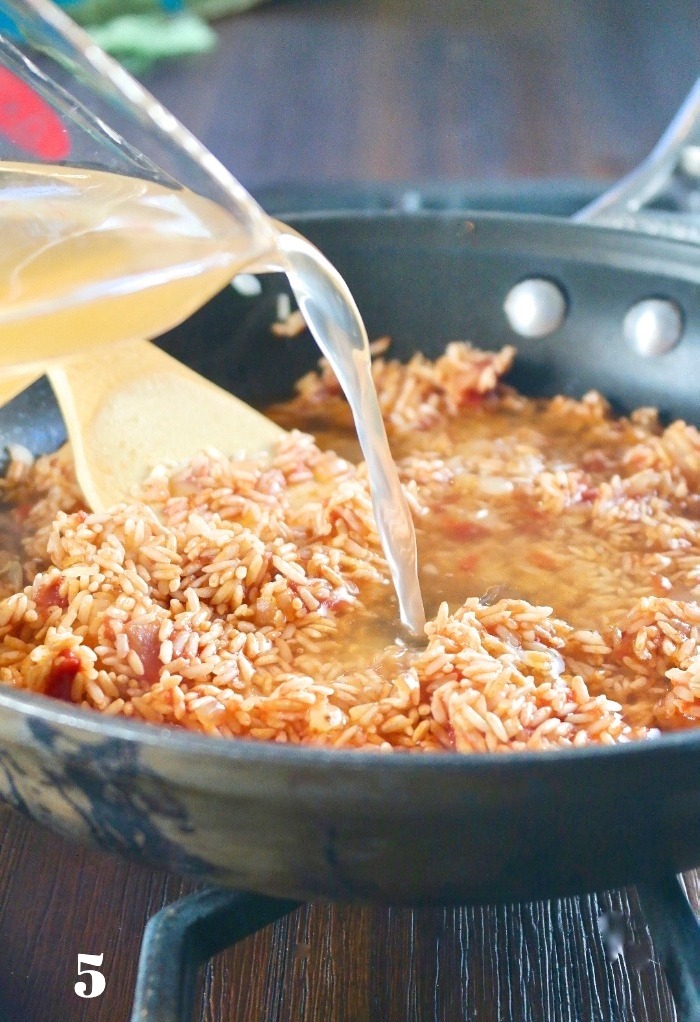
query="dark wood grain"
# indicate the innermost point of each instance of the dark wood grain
(323, 963)
(351, 90)
(342, 91)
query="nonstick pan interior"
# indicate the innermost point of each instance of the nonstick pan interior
(402, 828)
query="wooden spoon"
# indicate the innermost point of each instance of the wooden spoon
(136, 407)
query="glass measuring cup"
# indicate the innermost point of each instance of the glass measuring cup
(117, 222)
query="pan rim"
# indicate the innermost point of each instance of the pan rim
(161, 737)
(497, 217)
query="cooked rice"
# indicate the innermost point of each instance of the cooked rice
(250, 598)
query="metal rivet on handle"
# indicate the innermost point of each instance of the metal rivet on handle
(247, 285)
(535, 307)
(410, 201)
(689, 161)
(653, 326)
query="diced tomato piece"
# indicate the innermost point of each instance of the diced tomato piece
(63, 671)
(470, 399)
(533, 522)
(342, 599)
(143, 639)
(624, 647)
(468, 563)
(49, 595)
(542, 559)
(661, 584)
(463, 531)
(444, 502)
(595, 461)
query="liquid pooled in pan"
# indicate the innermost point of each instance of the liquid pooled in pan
(559, 552)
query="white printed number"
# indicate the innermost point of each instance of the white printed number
(97, 982)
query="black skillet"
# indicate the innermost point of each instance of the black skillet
(435, 828)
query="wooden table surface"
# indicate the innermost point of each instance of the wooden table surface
(344, 91)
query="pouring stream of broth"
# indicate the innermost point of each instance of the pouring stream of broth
(90, 257)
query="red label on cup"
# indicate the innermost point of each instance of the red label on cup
(29, 122)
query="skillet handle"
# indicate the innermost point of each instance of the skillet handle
(675, 934)
(670, 175)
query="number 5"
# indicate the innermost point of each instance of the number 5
(97, 984)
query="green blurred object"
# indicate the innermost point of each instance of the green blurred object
(141, 32)
(139, 40)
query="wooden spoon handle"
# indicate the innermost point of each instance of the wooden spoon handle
(130, 407)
